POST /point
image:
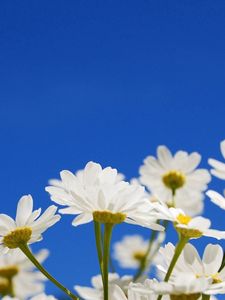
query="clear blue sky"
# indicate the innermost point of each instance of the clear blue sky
(106, 81)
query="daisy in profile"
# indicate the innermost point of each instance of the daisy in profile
(132, 249)
(185, 287)
(28, 226)
(188, 227)
(175, 180)
(96, 292)
(24, 280)
(97, 194)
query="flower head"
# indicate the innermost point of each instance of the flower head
(28, 226)
(96, 193)
(17, 269)
(175, 179)
(187, 226)
(186, 287)
(190, 263)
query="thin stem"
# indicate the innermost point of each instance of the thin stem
(179, 248)
(25, 249)
(107, 240)
(98, 240)
(143, 261)
(205, 297)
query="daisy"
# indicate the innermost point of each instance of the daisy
(96, 193)
(131, 250)
(185, 287)
(27, 227)
(175, 179)
(187, 226)
(208, 267)
(218, 167)
(25, 281)
(190, 263)
(96, 292)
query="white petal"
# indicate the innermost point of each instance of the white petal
(24, 210)
(217, 164)
(164, 156)
(222, 148)
(7, 222)
(216, 198)
(82, 219)
(212, 258)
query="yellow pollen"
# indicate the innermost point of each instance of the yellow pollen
(216, 278)
(183, 219)
(174, 180)
(139, 255)
(15, 238)
(9, 272)
(108, 217)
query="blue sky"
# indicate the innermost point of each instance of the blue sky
(106, 81)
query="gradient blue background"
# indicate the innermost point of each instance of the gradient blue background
(106, 81)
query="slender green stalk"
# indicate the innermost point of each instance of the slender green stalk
(179, 248)
(205, 297)
(98, 240)
(25, 249)
(106, 254)
(144, 260)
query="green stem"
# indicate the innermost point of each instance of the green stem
(25, 249)
(143, 262)
(106, 245)
(205, 297)
(98, 240)
(179, 248)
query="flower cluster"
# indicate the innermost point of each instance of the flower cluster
(170, 190)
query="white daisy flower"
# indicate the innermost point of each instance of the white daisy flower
(187, 226)
(175, 179)
(96, 292)
(96, 193)
(24, 280)
(184, 286)
(208, 267)
(27, 227)
(218, 167)
(190, 263)
(132, 249)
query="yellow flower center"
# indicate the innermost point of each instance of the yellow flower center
(216, 278)
(183, 219)
(9, 272)
(139, 255)
(174, 180)
(17, 237)
(186, 232)
(108, 217)
(185, 297)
